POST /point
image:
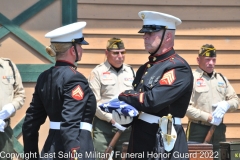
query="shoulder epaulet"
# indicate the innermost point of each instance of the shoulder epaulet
(99, 65)
(127, 65)
(195, 73)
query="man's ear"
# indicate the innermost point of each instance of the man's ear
(106, 53)
(169, 36)
(72, 50)
(198, 59)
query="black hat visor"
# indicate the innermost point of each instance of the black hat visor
(81, 41)
(151, 28)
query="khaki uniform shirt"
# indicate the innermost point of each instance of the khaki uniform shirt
(208, 91)
(106, 83)
(10, 92)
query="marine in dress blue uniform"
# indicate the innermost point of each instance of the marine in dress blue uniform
(63, 95)
(162, 86)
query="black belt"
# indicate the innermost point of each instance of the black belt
(201, 122)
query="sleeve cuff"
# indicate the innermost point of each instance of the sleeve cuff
(205, 116)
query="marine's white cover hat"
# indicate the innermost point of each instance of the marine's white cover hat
(155, 21)
(69, 33)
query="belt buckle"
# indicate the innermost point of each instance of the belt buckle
(202, 123)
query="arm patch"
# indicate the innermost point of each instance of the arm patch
(77, 93)
(168, 78)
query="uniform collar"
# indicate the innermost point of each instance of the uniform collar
(201, 72)
(64, 63)
(108, 66)
(160, 57)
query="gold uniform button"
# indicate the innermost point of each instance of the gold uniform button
(74, 152)
(172, 58)
(140, 90)
(135, 85)
(141, 81)
(146, 73)
(149, 65)
(154, 58)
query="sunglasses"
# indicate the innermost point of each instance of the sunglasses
(116, 53)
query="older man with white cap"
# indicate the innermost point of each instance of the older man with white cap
(63, 95)
(162, 90)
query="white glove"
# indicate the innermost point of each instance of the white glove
(216, 121)
(221, 109)
(7, 111)
(114, 99)
(120, 118)
(118, 126)
(2, 124)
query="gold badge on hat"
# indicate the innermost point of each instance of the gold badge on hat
(142, 15)
(114, 46)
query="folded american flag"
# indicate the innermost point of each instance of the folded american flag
(119, 106)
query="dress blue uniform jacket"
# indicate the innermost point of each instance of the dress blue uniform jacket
(62, 94)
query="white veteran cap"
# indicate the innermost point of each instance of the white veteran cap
(70, 33)
(155, 21)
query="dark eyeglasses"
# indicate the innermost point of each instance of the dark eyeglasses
(116, 53)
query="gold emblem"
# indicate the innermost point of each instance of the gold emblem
(74, 153)
(114, 46)
(143, 16)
